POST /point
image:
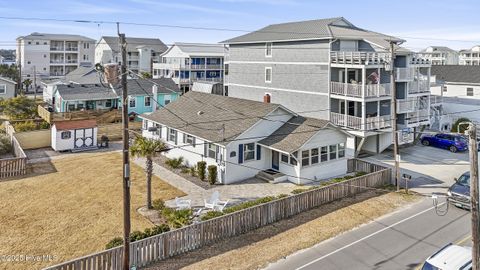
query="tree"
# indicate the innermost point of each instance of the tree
(18, 108)
(147, 148)
(27, 84)
(462, 128)
(146, 75)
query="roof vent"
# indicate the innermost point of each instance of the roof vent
(200, 113)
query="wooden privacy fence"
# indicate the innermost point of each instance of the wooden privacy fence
(13, 166)
(195, 236)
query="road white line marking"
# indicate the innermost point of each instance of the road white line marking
(368, 236)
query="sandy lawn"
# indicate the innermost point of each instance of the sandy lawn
(70, 207)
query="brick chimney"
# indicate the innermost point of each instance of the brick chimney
(266, 98)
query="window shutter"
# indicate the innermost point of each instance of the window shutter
(259, 151)
(205, 148)
(168, 134)
(184, 138)
(176, 137)
(194, 141)
(240, 153)
(217, 153)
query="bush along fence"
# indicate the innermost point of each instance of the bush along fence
(175, 242)
(17, 165)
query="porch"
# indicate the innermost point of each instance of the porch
(363, 116)
(360, 82)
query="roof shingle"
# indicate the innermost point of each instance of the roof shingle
(456, 73)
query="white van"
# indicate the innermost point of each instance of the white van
(450, 257)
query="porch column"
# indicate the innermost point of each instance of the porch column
(345, 80)
(364, 114)
(345, 111)
(378, 81)
(364, 78)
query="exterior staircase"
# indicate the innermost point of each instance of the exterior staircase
(271, 176)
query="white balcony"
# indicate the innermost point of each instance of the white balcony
(418, 118)
(359, 58)
(71, 61)
(407, 105)
(436, 100)
(57, 61)
(217, 79)
(355, 90)
(355, 123)
(417, 87)
(404, 74)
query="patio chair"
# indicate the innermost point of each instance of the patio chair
(221, 205)
(182, 203)
(212, 202)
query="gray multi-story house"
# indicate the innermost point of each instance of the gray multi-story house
(331, 69)
(440, 55)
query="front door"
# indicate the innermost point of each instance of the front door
(275, 160)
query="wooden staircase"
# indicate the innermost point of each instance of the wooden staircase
(271, 176)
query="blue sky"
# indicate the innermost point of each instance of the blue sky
(436, 19)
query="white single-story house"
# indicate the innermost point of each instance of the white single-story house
(245, 138)
(7, 88)
(74, 135)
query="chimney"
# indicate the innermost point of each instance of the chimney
(155, 97)
(266, 98)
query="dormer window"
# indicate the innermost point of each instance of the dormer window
(268, 49)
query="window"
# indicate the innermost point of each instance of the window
(233, 154)
(29, 42)
(469, 92)
(324, 153)
(284, 158)
(226, 69)
(444, 88)
(268, 49)
(37, 43)
(167, 99)
(158, 132)
(314, 156)
(148, 101)
(145, 124)
(341, 150)
(172, 135)
(44, 69)
(28, 62)
(132, 102)
(226, 91)
(248, 151)
(108, 103)
(212, 151)
(3, 88)
(66, 135)
(305, 158)
(333, 152)
(80, 106)
(189, 139)
(268, 74)
(44, 56)
(293, 158)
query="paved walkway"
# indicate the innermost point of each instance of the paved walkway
(250, 189)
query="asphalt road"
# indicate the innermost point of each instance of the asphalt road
(401, 240)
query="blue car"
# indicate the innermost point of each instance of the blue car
(453, 143)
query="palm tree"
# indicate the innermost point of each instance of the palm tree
(147, 148)
(27, 84)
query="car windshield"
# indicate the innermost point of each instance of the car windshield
(464, 180)
(460, 139)
(427, 266)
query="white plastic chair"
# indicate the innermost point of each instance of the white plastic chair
(221, 205)
(213, 201)
(182, 203)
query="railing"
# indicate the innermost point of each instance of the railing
(407, 105)
(71, 61)
(56, 48)
(54, 61)
(436, 100)
(216, 79)
(359, 58)
(71, 49)
(169, 244)
(355, 90)
(354, 122)
(56, 73)
(378, 122)
(404, 74)
(420, 60)
(421, 86)
(419, 117)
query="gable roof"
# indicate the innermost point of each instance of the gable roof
(200, 49)
(330, 28)
(456, 73)
(294, 133)
(214, 118)
(437, 48)
(138, 87)
(135, 43)
(83, 75)
(75, 124)
(7, 80)
(72, 92)
(47, 36)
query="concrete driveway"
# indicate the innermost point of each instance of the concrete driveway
(432, 169)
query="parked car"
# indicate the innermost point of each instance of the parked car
(459, 193)
(450, 257)
(453, 143)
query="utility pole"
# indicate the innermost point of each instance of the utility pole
(472, 134)
(126, 159)
(393, 117)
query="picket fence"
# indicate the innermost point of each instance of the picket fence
(17, 165)
(172, 243)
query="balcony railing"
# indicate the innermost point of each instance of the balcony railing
(407, 105)
(56, 73)
(354, 122)
(436, 100)
(404, 74)
(359, 58)
(419, 117)
(71, 49)
(56, 48)
(56, 61)
(216, 79)
(71, 61)
(416, 87)
(355, 90)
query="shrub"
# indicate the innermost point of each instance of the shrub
(44, 125)
(185, 170)
(177, 218)
(357, 174)
(158, 204)
(160, 229)
(136, 235)
(174, 163)
(24, 126)
(201, 170)
(212, 214)
(462, 129)
(193, 171)
(18, 108)
(282, 196)
(115, 242)
(299, 190)
(212, 174)
(147, 233)
(5, 144)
